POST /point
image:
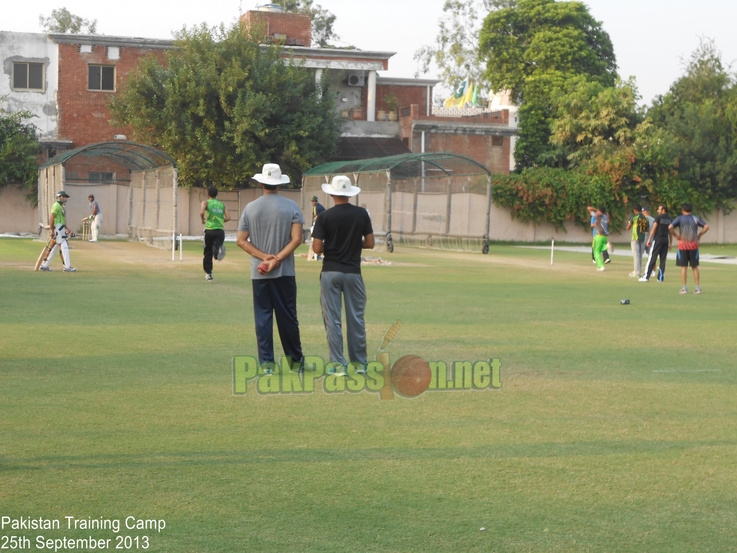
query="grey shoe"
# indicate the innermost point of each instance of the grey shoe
(70, 270)
(220, 252)
(208, 278)
(47, 269)
(337, 370)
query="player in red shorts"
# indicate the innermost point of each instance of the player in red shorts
(688, 244)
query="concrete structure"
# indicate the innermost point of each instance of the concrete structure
(383, 116)
(29, 80)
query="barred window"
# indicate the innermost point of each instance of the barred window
(100, 176)
(101, 77)
(28, 76)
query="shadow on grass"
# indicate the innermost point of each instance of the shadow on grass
(250, 457)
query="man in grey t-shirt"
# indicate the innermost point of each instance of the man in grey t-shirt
(270, 229)
(95, 218)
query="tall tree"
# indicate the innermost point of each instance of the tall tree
(322, 20)
(455, 52)
(532, 48)
(63, 21)
(592, 120)
(697, 120)
(19, 149)
(224, 105)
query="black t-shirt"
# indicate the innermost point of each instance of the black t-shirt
(664, 220)
(342, 228)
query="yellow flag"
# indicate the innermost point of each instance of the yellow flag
(467, 97)
(455, 99)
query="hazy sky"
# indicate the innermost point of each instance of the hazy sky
(651, 37)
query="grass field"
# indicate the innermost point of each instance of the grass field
(615, 428)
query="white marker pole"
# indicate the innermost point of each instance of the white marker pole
(552, 249)
(180, 247)
(173, 245)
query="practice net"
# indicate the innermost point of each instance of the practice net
(426, 200)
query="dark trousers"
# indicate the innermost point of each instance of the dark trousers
(276, 296)
(659, 248)
(213, 239)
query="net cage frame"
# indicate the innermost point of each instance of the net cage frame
(401, 185)
(152, 170)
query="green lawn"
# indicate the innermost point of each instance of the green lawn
(615, 428)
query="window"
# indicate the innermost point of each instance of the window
(101, 77)
(100, 176)
(497, 141)
(28, 76)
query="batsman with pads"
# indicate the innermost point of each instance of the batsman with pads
(60, 233)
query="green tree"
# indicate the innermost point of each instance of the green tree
(322, 20)
(455, 52)
(19, 149)
(592, 120)
(532, 48)
(63, 21)
(696, 122)
(223, 105)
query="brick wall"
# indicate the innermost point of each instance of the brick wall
(79, 167)
(83, 113)
(479, 148)
(296, 27)
(492, 151)
(407, 95)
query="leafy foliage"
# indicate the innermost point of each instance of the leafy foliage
(557, 196)
(533, 48)
(63, 21)
(455, 51)
(224, 105)
(322, 20)
(697, 124)
(19, 149)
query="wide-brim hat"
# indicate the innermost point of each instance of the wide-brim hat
(341, 186)
(271, 175)
(62, 194)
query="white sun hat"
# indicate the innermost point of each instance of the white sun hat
(271, 175)
(341, 186)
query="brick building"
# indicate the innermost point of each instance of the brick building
(67, 80)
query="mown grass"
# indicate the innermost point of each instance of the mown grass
(614, 429)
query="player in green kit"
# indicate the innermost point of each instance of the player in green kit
(60, 232)
(214, 215)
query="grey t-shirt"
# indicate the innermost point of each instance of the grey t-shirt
(268, 222)
(94, 204)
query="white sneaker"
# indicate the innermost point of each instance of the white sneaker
(47, 269)
(633, 274)
(698, 290)
(70, 270)
(684, 290)
(209, 278)
(600, 269)
(642, 279)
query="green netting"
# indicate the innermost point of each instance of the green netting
(405, 166)
(431, 200)
(132, 156)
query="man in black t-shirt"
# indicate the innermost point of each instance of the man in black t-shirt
(659, 243)
(341, 232)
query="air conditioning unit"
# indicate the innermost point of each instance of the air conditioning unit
(355, 79)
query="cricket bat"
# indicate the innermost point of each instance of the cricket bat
(387, 392)
(45, 252)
